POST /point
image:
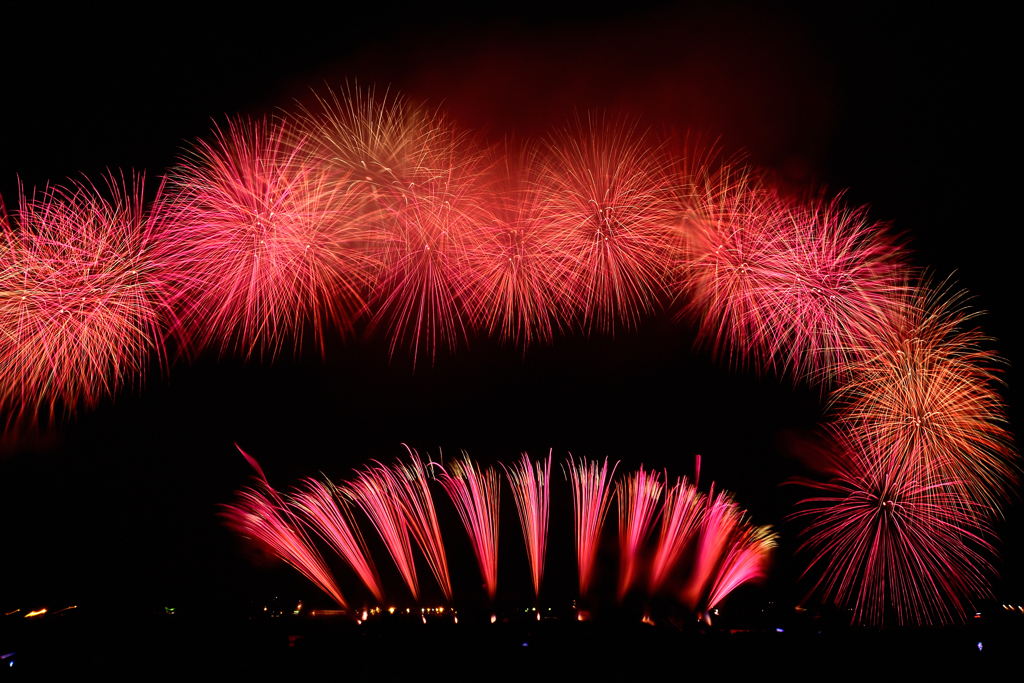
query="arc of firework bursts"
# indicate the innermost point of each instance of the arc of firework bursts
(730, 552)
(371, 206)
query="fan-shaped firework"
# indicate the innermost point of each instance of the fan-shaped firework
(604, 198)
(416, 175)
(925, 392)
(331, 518)
(531, 490)
(476, 494)
(680, 518)
(638, 498)
(372, 491)
(263, 239)
(263, 515)
(891, 544)
(591, 494)
(79, 298)
(409, 487)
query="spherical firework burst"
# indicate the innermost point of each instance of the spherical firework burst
(263, 240)
(80, 298)
(893, 540)
(925, 392)
(416, 176)
(798, 285)
(604, 198)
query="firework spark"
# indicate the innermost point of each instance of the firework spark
(680, 519)
(531, 488)
(329, 515)
(591, 495)
(80, 298)
(638, 496)
(476, 494)
(885, 540)
(263, 514)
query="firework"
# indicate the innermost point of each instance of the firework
(417, 178)
(925, 392)
(80, 298)
(408, 485)
(372, 491)
(517, 274)
(680, 519)
(476, 494)
(794, 285)
(262, 240)
(330, 516)
(885, 540)
(591, 489)
(638, 497)
(604, 198)
(530, 488)
(262, 514)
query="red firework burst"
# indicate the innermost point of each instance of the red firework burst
(531, 490)
(681, 516)
(795, 285)
(262, 240)
(476, 494)
(638, 497)
(417, 177)
(925, 391)
(80, 298)
(889, 544)
(591, 495)
(604, 198)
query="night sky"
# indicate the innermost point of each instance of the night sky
(909, 114)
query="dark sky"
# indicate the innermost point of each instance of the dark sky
(910, 114)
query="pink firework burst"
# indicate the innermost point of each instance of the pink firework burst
(263, 515)
(638, 497)
(681, 516)
(417, 179)
(372, 490)
(888, 544)
(795, 285)
(263, 240)
(476, 494)
(80, 298)
(517, 274)
(409, 487)
(591, 495)
(925, 391)
(603, 187)
(329, 515)
(531, 489)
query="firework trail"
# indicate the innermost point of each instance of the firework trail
(80, 298)
(680, 519)
(746, 559)
(517, 275)
(719, 522)
(591, 495)
(263, 240)
(417, 177)
(604, 198)
(638, 496)
(476, 494)
(531, 488)
(885, 540)
(262, 514)
(331, 518)
(372, 490)
(925, 393)
(408, 484)
(798, 286)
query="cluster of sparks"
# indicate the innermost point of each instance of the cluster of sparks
(723, 548)
(368, 209)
